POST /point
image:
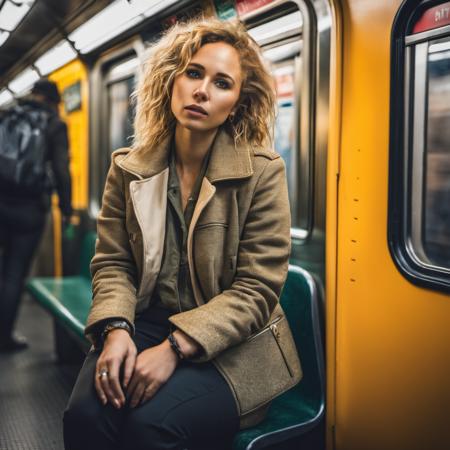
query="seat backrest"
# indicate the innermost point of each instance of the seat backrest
(87, 252)
(300, 302)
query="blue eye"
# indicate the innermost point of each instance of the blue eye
(192, 73)
(196, 74)
(222, 84)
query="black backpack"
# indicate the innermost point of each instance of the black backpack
(23, 150)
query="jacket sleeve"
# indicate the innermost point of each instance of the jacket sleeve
(262, 264)
(59, 144)
(114, 275)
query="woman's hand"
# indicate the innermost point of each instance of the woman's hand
(153, 368)
(118, 349)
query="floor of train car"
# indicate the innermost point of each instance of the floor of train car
(34, 390)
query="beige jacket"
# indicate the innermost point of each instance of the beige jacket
(238, 250)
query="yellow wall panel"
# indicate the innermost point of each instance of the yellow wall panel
(77, 122)
(392, 361)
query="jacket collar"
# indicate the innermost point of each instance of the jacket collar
(228, 161)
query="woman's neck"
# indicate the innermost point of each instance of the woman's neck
(191, 147)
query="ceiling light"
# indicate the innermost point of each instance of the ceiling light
(5, 97)
(116, 18)
(439, 56)
(439, 47)
(56, 57)
(124, 69)
(289, 23)
(12, 14)
(24, 81)
(283, 52)
(3, 36)
(284, 70)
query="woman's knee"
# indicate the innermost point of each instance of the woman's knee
(144, 432)
(88, 425)
(80, 415)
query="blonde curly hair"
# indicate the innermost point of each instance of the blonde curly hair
(254, 118)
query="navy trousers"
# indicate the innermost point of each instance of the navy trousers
(194, 410)
(21, 227)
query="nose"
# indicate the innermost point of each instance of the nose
(200, 94)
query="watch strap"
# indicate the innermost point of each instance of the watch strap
(114, 325)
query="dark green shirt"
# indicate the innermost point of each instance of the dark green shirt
(173, 289)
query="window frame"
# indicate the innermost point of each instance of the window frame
(304, 126)
(408, 107)
(108, 81)
(99, 124)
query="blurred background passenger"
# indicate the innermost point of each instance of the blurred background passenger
(33, 161)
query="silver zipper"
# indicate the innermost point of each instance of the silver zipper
(276, 335)
(264, 330)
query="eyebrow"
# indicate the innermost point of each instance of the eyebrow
(221, 74)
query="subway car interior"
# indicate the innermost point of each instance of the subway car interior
(363, 127)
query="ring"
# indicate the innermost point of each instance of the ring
(103, 373)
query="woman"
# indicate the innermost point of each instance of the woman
(192, 253)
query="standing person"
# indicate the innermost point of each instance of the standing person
(24, 207)
(190, 342)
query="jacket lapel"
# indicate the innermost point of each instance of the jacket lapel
(228, 161)
(149, 198)
(205, 195)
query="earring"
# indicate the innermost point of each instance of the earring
(231, 116)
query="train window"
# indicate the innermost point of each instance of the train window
(419, 224)
(281, 40)
(120, 85)
(435, 236)
(113, 80)
(285, 133)
(121, 115)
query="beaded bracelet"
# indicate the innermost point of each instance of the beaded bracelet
(175, 347)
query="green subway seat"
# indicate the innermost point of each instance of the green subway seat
(68, 298)
(301, 408)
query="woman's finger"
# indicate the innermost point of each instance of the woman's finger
(149, 392)
(137, 394)
(114, 383)
(104, 382)
(128, 368)
(132, 386)
(98, 386)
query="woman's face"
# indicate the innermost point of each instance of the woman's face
(205, 94)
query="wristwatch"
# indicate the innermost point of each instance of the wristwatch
(114, 325)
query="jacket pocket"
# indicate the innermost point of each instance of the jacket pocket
(273, 328)
(262, 367)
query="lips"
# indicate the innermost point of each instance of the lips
(196, 108)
